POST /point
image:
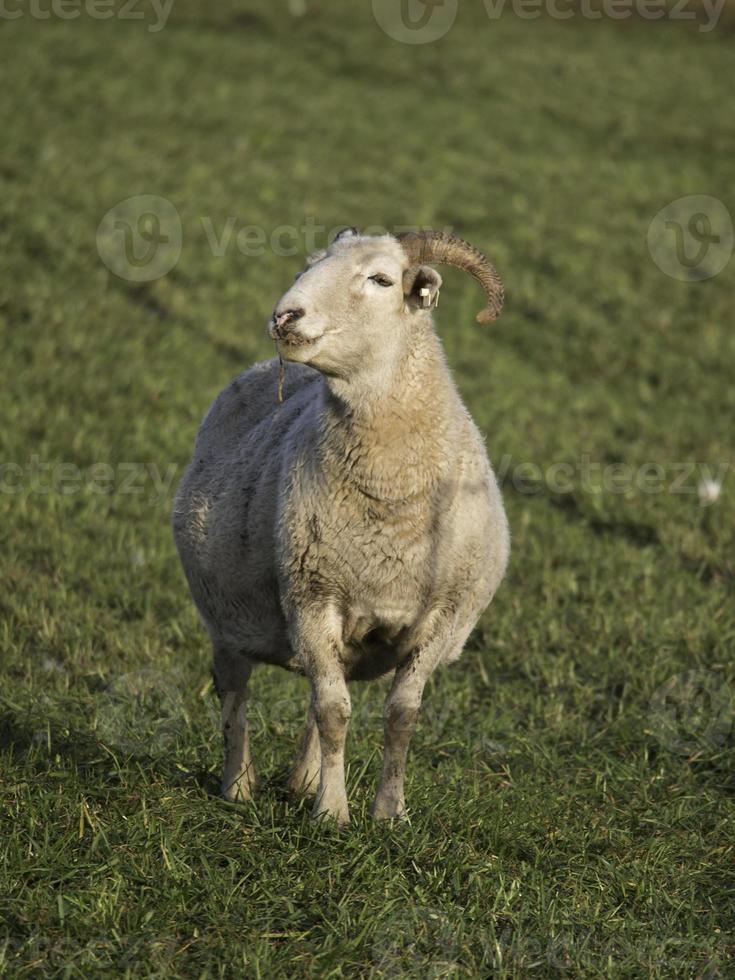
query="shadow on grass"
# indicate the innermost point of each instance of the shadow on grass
(97, 764)
(30, 747)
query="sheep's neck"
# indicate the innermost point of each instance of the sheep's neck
(397, 442)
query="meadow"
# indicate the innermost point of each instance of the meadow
(571, 782)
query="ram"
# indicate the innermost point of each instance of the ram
(340, 517)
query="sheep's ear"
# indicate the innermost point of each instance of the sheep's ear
(421, 285)
(345, 233)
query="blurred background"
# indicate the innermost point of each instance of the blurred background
(165, 169)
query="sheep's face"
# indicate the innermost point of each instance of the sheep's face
(352, 304)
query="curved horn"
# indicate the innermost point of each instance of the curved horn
(436, 247)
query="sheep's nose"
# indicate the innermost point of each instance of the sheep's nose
(287, 318)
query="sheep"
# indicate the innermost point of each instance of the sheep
(354, 526)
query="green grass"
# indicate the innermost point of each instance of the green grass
(558, 828)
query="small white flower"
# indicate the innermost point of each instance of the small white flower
(709, 491)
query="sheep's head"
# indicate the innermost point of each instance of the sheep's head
(353, 301)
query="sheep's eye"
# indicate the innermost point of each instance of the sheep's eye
(381, 280)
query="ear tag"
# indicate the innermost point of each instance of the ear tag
(425, 297)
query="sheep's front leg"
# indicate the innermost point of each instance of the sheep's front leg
(317, 635)
(400, 714)
(305, 776)
(332, 711)
(231, 674)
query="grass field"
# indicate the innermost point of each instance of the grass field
(571, 783)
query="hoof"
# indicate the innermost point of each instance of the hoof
(239, 790)
(388, 810)
(337, 812)
(236, 794)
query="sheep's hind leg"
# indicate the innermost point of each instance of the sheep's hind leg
(305, 776)
(231, 674)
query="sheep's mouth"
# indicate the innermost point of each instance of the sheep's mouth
(293, 341)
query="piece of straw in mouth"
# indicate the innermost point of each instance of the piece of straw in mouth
(281, 379)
